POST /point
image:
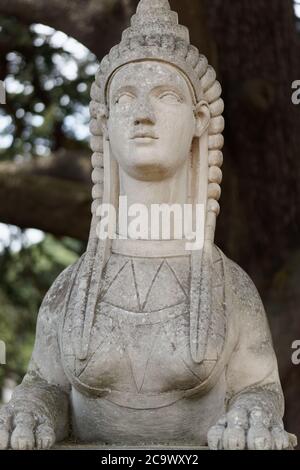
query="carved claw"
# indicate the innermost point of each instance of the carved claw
(234, 437)
(215, 435)
(44, 436)
(5, 426)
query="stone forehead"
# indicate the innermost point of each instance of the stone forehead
(147, 74)
(158, 55)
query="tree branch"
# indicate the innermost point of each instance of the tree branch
(53, 205)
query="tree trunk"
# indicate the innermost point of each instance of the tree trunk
(259, 58)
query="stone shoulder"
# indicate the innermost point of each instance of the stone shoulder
(243, 288)
(55, 298)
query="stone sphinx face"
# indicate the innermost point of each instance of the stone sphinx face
(151, 121)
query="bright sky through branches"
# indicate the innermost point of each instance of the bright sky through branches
(67, 66)
(10, 236)
(297, 8)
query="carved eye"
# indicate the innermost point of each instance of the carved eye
(124, 99)
(170, 97)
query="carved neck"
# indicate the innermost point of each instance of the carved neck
(173, 190)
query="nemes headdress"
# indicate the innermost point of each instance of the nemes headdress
(155, 35)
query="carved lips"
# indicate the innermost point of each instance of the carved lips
(143, 136)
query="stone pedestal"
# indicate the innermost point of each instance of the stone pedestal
(102, 447)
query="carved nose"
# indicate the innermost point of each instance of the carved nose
(144, 114)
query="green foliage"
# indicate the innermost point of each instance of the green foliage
(25, 278)
(47, 77)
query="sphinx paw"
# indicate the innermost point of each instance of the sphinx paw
(242, 429)
(24, 431)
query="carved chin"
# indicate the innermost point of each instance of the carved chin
(149, 170)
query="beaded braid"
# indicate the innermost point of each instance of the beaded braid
(89, 266)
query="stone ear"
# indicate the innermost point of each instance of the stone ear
(202, 115)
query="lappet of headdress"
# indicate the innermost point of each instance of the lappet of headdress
(155, 34)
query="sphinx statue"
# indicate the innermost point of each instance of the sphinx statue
(144, 341)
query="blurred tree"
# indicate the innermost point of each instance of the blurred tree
(47, 77)
(25, 276)
(258, 49)
(46, 85)
(95, 23)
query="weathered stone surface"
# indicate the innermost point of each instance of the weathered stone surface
(145, 341)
